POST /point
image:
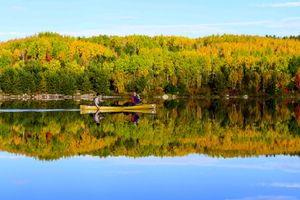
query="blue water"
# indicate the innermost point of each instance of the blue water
(189, 177)
(193, 176)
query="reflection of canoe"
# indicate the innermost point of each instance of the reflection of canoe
(143, 108)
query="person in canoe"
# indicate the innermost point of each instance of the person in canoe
(97, 100)
(135, 99)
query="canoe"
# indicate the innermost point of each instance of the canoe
(144, 108)
(148, 111)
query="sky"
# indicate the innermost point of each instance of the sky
(191, 18)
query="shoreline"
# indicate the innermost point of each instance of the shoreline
(46, 97)
(78, 97)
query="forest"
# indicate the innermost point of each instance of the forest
(214, 128)
(215, 65)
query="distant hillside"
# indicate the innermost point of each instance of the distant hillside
(227, 64)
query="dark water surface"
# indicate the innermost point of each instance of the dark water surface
(196, 149)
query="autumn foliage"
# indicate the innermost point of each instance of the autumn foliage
(214, 128)
(227, 64)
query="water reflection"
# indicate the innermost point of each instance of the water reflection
(135, 118)
(189, 177)
(235, 128)
(97, 117)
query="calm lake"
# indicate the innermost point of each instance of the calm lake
(188, 149)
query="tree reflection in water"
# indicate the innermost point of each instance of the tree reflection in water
(233, 128)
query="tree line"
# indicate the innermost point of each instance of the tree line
(226, 64)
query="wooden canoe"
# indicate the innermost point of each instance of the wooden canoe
(142, 108)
